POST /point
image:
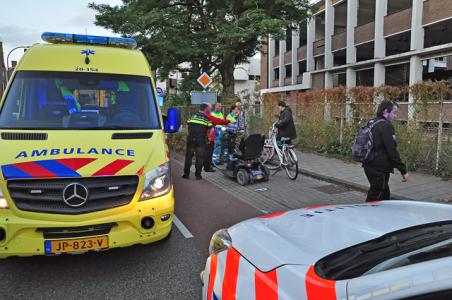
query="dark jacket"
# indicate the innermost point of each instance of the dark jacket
(285, 124)
(198, 125)
(385, 149)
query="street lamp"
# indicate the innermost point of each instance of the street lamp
(7, 59)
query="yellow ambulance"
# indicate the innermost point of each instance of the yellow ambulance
(84, 162)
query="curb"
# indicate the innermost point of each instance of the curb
(349, 184)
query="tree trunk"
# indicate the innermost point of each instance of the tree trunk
(227, 80)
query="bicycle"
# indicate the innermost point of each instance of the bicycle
(286, 157)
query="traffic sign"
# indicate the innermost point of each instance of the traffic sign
(200, 97)
(160, 91)
(204, 80)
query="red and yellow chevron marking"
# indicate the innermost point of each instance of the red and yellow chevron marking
(58, 168)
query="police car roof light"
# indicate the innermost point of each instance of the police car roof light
(58, 38)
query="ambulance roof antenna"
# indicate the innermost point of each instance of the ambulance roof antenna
(87, 60)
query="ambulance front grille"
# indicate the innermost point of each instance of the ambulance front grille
(46, 195)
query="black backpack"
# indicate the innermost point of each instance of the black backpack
(364, 144)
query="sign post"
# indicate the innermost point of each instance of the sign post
(198, 97)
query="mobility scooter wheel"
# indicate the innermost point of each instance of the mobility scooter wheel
(243, 178)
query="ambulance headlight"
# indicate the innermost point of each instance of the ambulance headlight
(3, 202)
(157, 182)
(221, 240)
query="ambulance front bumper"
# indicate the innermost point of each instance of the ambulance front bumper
(26, 234)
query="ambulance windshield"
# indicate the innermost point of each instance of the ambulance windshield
(64, 100)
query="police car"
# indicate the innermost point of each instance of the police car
(378, 250)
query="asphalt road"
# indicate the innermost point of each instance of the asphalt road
(164, 270)
(168, 269)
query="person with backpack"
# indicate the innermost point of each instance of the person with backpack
(375, 146)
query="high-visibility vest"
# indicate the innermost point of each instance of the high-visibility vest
(231, 117)
(200, 119)
(219, 115)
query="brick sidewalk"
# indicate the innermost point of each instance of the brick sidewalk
(419, 187)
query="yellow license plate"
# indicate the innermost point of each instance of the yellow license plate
(76, 245)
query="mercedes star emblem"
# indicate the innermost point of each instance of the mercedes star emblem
(75, 194)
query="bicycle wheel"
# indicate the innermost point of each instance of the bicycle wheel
(291, 164)
(267, 154)
(273, 162)
(216, 158)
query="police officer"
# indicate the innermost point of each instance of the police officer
(198, 125)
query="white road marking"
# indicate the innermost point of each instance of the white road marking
(185, 232)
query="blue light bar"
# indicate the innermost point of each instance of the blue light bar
(69, 38)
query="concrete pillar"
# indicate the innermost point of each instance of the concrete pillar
(351, 83)
(415, 77)
(379, 79)
(271, 54)
(417, 43)
(381, 8)
(295, 43)
(352, 21)
(329, 31)
(417, 31)
(379, 75)
(328, 84)
(282, 69)
(310, 45)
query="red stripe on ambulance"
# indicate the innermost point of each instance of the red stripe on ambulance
(34, 170)
(113, 168)
(75, 163)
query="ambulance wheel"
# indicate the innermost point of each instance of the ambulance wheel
(243, 178)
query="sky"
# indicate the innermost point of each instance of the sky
(23, 21)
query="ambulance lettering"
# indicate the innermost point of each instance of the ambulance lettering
(80, 151)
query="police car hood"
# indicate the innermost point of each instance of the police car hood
(304, 236)
(79, 153)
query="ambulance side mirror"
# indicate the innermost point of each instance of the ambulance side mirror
(172, 120)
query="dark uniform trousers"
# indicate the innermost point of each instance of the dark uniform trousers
(209, 147)
(195, 147)
(379, 185)
(196, 142)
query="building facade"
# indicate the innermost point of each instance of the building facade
(362, 42)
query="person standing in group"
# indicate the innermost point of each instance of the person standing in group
(216, 118)
(198, 126)
(240, 116)
(385, 156)
(285, 123)
(232, 116)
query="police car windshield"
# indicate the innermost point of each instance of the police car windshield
(407, 246)
(65, 100)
